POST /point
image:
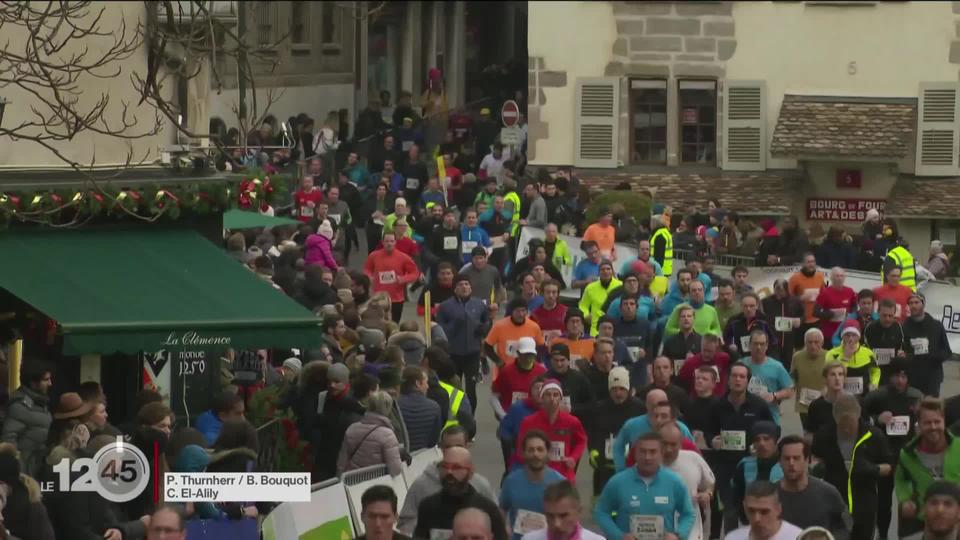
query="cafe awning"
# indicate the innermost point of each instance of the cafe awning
(241, 219)
(144, 290)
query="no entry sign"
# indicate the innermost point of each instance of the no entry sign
(510, 113)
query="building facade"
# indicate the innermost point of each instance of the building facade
(829, 108)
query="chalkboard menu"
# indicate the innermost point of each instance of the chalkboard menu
(186, 376)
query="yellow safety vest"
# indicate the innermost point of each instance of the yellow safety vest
(668, 252)
(456, 398)
(515, 219)
(903, 259)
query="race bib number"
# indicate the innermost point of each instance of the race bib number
(678, 365)
(646, 527)
(921, 345)
(335, 217)
(608, 448)
(884, 356)
(745, 343)
(528, 521)
(450, 242)
(497, 242)
(406, 145)
(556, 452)
(808, 395)
(853, 385)
(783, 324)
(413, 183)
(519, 396)
(634, 353)
(511, 348)
(899, 426)
(838, 315)
(441, 534)
(810, 295)
(733, 440)
(756, 386)
(567, 403)
(899, 311)
(386, 278)
(468, 246)
(714, 291)
(550, 335)
(306, 211)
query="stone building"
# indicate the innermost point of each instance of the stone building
(821, 109)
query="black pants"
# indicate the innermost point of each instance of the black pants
(468, 367)
(396, 311)
(885, 500)
(374, 232)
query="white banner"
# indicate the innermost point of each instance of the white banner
(943, 299)
(327, 515)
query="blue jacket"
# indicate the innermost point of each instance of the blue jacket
(194, 459)
(707, 287)
(210, 425)
(835, 340)
(633, 430)
(669, 303)
(475, 234)
(626, 494)
(646, 309)
(510, 425)
(465, 324)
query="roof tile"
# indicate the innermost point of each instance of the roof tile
(930, 198)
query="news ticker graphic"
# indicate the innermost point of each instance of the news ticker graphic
(236, 487)
(118, 472)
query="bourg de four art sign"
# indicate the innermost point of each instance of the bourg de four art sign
(853, 210)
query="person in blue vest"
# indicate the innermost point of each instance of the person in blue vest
(764, 464)
(646, 501)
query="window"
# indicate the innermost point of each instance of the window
(300, 24)
(328, 23)
(648, 121)
(266, 17)
(698, 122)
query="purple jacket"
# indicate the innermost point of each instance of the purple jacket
(319, 251)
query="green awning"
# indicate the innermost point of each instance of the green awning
(144, 290)
(241, 219)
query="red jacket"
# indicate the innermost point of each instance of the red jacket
(567, 440)
(513, 385)
(391, 272)
(304, 212)
(688, 372)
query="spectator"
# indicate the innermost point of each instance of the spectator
(225, 407)
(938, 264)
(792, 243)
(167, 523)
(835, 251)
(371, 441)
(421, 415)
(28, 418)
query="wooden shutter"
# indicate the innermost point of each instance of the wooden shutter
(597, 116)
(938, 137)
(744, 126)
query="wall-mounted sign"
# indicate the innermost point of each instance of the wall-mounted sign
(849, 178)
(842, 209)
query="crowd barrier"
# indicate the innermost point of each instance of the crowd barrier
(943, 299)
(333, 512)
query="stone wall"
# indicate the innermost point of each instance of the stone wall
(538, 78)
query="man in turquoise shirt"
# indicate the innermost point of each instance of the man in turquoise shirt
(647, 500)
(769, 380)
(636, 427)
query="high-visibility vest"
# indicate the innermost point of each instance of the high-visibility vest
(668, 252)
(515, 219)
(903, 259)
(456, 398)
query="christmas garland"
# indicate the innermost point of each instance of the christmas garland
(253, 191)
(279, 436)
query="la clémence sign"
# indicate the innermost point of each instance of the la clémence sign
(194, 339)
(842, 209)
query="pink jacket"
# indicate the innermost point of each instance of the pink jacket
(320, 252)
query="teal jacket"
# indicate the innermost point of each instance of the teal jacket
(627, 495)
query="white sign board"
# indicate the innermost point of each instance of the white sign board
(511, 136)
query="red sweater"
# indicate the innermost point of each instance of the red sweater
(567, 440)
(688, 371)
(550, 321)
(899, 294)
(832, 299)
(304, 212)
(513, 385)
(391, 272)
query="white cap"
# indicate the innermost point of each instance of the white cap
(526, 345)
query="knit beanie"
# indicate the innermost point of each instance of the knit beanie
(338, 373)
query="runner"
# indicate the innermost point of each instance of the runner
(568, 440)
(391, 271)
(522, 490)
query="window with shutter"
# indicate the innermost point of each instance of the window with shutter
(938, 137)
(598, 112)
(744, 126)
(266, 23)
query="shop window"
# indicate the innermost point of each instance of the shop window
(697, 113)
(648, 121)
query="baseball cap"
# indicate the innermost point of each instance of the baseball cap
(619, 377)
(526, 345)
(561, 349)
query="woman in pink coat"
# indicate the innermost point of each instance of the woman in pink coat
(319, 247)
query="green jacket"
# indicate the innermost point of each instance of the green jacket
(705, 321)
(561, 254)
(913, 479)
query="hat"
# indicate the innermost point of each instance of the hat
(516, 303)
(943, 488)
(561, 349)
(293, 364)
(619, 377)
(71, 406)
(897, 366)
(479, 250)
(923, 299)
(326, 230)
(338, 373)
(551, 384)
(851, 326)
(372, 338)
(469, 178)
(526, 345)
(345, 296)
(765, 427)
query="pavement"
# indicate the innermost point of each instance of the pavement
(488, 457)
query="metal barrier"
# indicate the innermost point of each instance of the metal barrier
(269, 436)
(722, 260)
